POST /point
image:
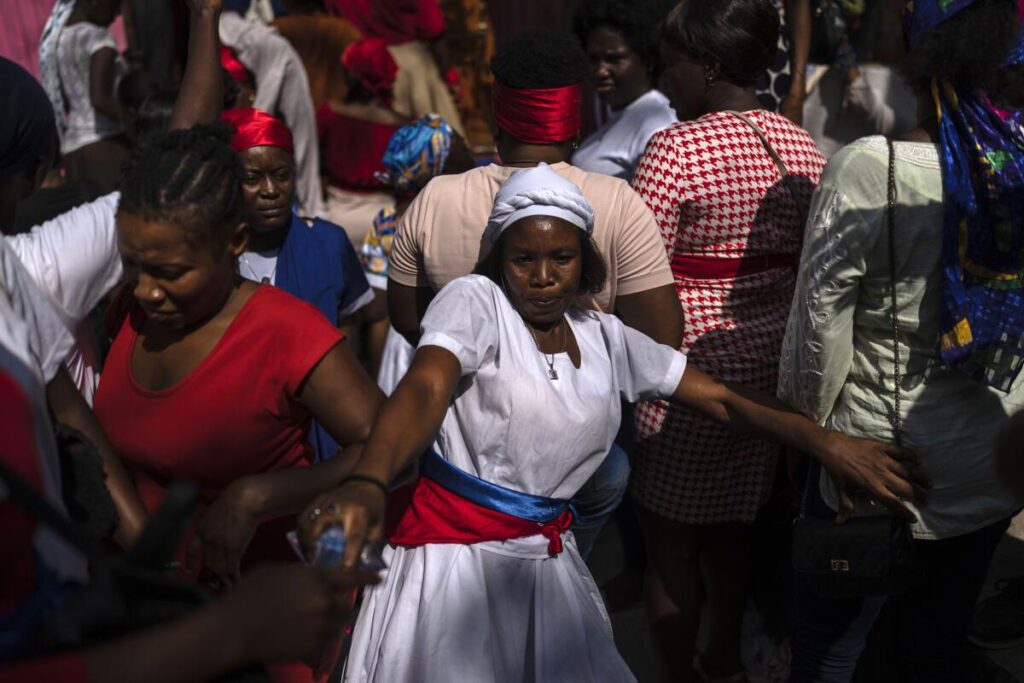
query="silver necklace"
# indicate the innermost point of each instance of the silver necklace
(552, 373)
(256, 277)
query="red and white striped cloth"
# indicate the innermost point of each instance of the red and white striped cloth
(716, 191)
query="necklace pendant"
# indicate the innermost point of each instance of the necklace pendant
(552, 373)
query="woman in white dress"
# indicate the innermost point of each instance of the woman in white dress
(517, 393)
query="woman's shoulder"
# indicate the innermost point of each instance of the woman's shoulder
(862, 167)
(272, 307)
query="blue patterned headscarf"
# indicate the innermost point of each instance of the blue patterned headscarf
(416, 153)
(981, 150)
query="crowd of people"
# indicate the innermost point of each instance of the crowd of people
(297, 384)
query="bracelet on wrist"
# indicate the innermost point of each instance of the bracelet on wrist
(369, 480)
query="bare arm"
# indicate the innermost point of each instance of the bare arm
(406, 308)
(656, 312)
(345, 401)
(886, 472)
(798, 16)
(201, 95)
(419, 405)
(101, 84)
(69, 408)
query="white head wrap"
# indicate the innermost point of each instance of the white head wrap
(538, 191)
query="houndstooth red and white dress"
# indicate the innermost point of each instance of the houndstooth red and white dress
(733, 230)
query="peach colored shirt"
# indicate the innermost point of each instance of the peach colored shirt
(440, 236)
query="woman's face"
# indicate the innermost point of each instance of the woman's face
(619, 74)
(268, 187)
(178, 280)
(684, 81)
(541, 263)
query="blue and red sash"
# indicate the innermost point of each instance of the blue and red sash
(448, 505)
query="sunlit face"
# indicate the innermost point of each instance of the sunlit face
(618, 73)
(684, 82)
(541, 263)
(178, 281)
(268, 187)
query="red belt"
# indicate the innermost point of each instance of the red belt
(699, 267)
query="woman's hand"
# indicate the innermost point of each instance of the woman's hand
(888, 473)
(225, 529)
(357, 506)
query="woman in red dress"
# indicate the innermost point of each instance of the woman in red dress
(730, 193)
(215, 378)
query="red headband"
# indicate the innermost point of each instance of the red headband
(257, 128)
(538, 116)
(235, 68)
(371, 62)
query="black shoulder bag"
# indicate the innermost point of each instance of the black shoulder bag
(866, 556)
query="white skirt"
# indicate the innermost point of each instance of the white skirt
(496, 611)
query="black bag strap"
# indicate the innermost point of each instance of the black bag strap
(890, 225)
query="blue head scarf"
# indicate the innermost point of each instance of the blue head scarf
(981, 150)
(416, 153)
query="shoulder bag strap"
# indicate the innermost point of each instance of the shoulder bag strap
(783, 169)
(890, 223)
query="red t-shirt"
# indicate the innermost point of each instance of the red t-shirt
(395, 21)
(237, 413)
(353, 149)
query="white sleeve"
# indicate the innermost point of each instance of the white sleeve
(98, 39)
(49, 340)
(74, 257)
(643, 368)
(463, 319)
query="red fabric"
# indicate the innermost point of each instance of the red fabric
(67, 668)
(236, 413)
(698, 267)
(235, 68)
(352, 149)
(426, 512)
(370, 61)
(18, 451)
(394, 21)
(538, 116)
(257, 128)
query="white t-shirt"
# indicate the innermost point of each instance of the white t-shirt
(510, 423)
(74, 260)
(616, 147)
(75, 47)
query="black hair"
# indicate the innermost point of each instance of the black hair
(636, 21)
(229, 88)
(356, 92)
(738, 38)
(191, 177)
(540, 58)
(952, 52)
(593, 273)
(153, 115)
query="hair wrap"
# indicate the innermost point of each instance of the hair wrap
(416, 153)
(538, 191)
(371, 62)
(257, 128)
(229, 60)
(538, 116)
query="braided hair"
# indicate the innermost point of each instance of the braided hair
(191, 177)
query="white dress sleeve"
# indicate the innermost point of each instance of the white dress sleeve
(49, 341)
(74, 257)
(463, 318)
(643, 368)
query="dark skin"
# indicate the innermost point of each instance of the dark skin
(102, 63)
(541, 269)
(268, 187)
(618, 73)
(190, 294)
(655, 312)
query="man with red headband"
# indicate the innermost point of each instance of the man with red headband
(537, 95)
(310, 259)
